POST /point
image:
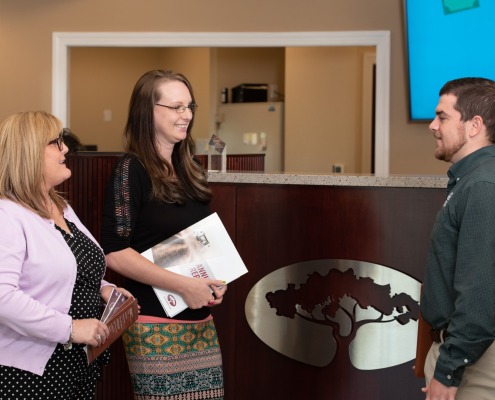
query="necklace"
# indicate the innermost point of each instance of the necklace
(51, 207)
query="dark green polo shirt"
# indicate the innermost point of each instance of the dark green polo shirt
(459, 286)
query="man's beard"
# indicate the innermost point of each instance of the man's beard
(446, 154)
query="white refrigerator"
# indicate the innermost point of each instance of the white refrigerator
(254, 128)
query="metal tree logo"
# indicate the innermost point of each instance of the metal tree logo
(334, 302)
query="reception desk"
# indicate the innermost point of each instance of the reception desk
(300, 224)
(292, 220)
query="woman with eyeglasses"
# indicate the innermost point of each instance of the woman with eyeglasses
(157, 190)
(51, 270)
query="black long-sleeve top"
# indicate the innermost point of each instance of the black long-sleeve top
(132, 219)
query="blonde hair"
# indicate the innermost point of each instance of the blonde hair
(23, 138)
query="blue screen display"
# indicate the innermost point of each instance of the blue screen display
(446, 39)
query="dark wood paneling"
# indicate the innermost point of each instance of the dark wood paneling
(236, 162)
(274, 226)
(85, 190)
(282, 225)
(224, 203)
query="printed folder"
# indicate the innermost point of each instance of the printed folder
(203, 250)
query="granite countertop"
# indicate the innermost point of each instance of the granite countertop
(426, 181)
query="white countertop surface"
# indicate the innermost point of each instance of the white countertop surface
(426, 181)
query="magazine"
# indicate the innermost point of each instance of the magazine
(120, 312)
(203, 250)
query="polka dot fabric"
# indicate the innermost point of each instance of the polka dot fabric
(67, 374)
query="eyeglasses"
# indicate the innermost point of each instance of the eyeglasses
(58, 141)
(180, 109)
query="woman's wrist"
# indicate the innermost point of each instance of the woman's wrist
(68, 344)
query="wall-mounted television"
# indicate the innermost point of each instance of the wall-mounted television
(446, 39)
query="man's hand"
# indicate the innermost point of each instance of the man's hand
(438, 391)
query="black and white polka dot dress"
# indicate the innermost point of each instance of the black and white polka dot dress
(67, 375)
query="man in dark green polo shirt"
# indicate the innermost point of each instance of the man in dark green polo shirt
(458, 298)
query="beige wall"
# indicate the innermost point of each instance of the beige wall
(103, 78)
(26, 33)
(324, 91)
(101, 81)
(322, 88)
(250, 65)
(196, 65)
(87, 78)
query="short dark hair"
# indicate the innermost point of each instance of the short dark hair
(475, 96)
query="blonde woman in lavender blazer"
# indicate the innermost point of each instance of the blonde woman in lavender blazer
(51, 270)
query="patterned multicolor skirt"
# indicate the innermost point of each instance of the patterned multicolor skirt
(176, 360)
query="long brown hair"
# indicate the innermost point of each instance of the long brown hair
(190, 179)
(23, 138)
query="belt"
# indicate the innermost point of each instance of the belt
(438, 335)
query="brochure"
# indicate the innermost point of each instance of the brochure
(203, 250)
(114, 302)
(120, 312)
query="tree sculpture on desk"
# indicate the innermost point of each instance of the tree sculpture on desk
(322, 297)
